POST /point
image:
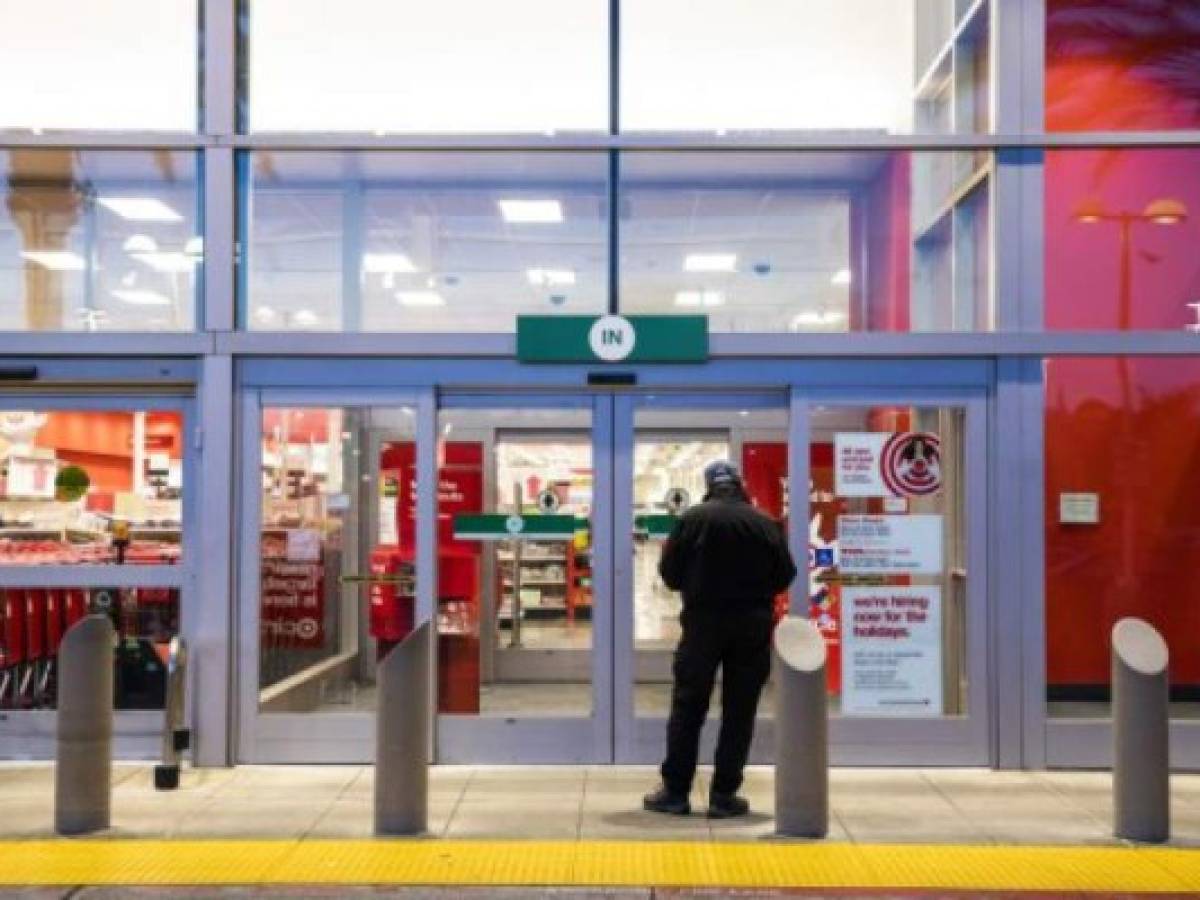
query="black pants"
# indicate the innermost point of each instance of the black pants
(739, 642)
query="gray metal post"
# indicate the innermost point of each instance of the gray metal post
(801, 730)
(83, 768)
(402, 735)
(1141, 733)
(176, 737)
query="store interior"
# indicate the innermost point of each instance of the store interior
(515, 616)
(88, 487)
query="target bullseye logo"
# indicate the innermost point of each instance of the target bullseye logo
(911, 464)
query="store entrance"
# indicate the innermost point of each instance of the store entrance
(538, 546)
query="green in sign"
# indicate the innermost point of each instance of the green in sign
(516, 528)
(655, 526)
(613, 339)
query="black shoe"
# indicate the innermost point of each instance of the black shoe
(726, 806)
(664, 801)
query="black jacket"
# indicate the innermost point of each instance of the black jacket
(725, 554)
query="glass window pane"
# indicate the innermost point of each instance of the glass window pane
(809, 242)
(1122, 522)
(423, 242)
(338, 553)
(671, 449)
(1134, 217)
(453, 66)
(33, 622)
(1122, 65)
(120, 64)
(888, 558)
(515, 610)
(780, 65)
(98, 240)
(90, 486)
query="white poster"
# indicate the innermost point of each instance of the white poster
(388, 530)
(892, 651)
(885, 464)
(856, 471)
(890, 545)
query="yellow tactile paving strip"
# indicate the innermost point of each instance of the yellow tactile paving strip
(598, 863)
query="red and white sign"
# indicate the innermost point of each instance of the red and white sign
(892, 651)
(293, 607)
(882, 464)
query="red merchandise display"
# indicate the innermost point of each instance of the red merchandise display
(391, 599)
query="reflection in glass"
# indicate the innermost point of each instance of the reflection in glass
(99, 240)
(423, 242)
(1122, 527)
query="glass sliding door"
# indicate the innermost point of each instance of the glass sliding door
(523, 616)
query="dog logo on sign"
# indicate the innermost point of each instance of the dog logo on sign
(911, 464)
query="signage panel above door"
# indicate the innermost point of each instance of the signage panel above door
(612, 339)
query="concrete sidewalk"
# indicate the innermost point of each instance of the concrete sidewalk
(869, 806)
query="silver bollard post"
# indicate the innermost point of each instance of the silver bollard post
(801, 731)
(1141, 733)
(176, 736)
(83, 767)
(402, 730)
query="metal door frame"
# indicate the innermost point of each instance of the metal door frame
(333, 737)
(508, 738)
(137, 734)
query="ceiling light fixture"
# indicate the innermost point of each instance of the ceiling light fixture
(531, 212)
(140, 243)
(816, 318)
(387, 264)
(420, 298)
(550, 277)
(710, 262)
(141, 209)
(699, 298)
(840, 277)
(141, 297)
(305, 318)
(171, 263)
(57, 260)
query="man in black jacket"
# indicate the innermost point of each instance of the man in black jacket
(729, 560)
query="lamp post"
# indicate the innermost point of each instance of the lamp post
(1164, 211)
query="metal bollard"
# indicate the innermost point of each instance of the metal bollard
(176, 736)
(801, 731)
(402, 730)
(83, 767)
(1141, 733)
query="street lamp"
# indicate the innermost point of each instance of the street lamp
(1164, 211)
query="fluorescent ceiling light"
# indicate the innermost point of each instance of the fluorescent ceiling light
(141, 209)
(173, 262)
(840, 277)
(140, 243)
(710, 262)
(811, 318)
(194, 246)
(265, 315)
(420, 298)
(531, 212)
(550, 277)
(58, 260)
(699, 298)
(387, 264)
(140, 297)
(305, 318)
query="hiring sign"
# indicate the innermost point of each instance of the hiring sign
(892, 651)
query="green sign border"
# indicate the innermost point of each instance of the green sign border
(659, 339)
